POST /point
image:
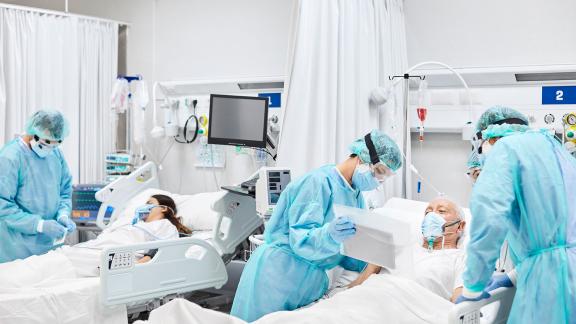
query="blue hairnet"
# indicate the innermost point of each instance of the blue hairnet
(387, 150)
(496, 114)
(48, 124)
(503, 130)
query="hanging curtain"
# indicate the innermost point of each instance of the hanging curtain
(43, 65)
(98, 71)
(341, 50)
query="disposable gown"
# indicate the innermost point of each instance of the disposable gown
(289, 270)
(526, 194)
(31, 188)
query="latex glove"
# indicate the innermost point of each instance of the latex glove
(462, 298)
(65, 221)
(53, 229)
(499, 281)
(342, 229)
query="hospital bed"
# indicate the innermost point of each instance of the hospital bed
(220, 221)
(379, 298)
(491, 310)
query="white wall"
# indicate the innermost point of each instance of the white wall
(483, 34)
(491, 32)
(195, 39)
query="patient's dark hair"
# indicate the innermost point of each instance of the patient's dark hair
(171, 213)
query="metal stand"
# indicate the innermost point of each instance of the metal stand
(406, 136)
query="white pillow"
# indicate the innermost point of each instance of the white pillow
(195, 210)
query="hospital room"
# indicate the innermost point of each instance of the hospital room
(287, 161)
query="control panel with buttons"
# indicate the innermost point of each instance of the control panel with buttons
(120, 260)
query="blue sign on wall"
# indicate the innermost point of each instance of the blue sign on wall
(274, 99)
(553, 95)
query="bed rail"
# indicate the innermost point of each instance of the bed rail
(179, 266)
(490, 310)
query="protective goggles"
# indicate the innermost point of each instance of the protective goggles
(478, 138)
(378, 168)
(47, 142)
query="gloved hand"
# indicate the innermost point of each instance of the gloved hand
(499, 281)
(53, 229)
(461, 298)
(65, 221)
(341, 229)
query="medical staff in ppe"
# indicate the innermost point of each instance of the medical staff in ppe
(35, 189)
(496, 115)
(525, 195)
(302, 238)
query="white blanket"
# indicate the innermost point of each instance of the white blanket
(382, 298)
(67, 301)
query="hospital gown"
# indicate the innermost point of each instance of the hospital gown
(439, 271)
(526, 194)
(31, 189)
(289, 270)
(83, 259)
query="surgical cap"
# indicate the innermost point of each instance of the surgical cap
(48, 124)
(503, 130)
(497, 114)
(388, 152)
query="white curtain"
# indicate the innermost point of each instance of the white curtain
(341, 50)
(98, 70)
(57, 62)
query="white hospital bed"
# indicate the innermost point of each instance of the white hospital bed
(491, 310)
(181, 265)
(221, 221)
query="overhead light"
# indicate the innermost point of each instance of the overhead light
(261, 85)
(552, 76)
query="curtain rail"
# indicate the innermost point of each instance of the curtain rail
(60, 13)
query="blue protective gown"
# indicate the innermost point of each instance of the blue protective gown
(289, 270)
(526, 194)
(31, 188)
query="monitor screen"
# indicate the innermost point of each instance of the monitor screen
(238, 120)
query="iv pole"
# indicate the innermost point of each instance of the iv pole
(406, 77)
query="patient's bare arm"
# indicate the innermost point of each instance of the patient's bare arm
(457, 292)
(370, 269)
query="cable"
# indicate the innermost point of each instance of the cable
(266, 150)
(196, 122)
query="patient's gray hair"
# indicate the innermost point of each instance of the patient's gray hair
(459, 210)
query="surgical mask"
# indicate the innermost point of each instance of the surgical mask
(41, 148)
(363, 179)
(142, 213)
(434, 227)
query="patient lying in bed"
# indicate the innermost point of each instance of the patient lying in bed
(439, 269)
(155, 221)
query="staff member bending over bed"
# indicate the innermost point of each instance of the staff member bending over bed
(438, 263)
(154, 221)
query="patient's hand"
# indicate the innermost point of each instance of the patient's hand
(370, 269)
(144, 259)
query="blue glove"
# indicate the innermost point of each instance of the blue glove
(499, 281)
(341, 229)
(53, 229)
(461, 298)
(65, 221)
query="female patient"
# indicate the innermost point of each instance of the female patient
(156, 220)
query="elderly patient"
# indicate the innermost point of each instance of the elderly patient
(156, 220)
(438, 262)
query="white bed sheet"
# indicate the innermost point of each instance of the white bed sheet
(382, 298)
(70, 301)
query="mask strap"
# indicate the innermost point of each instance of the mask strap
(374, 159)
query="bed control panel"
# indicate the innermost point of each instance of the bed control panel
(120, 260)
